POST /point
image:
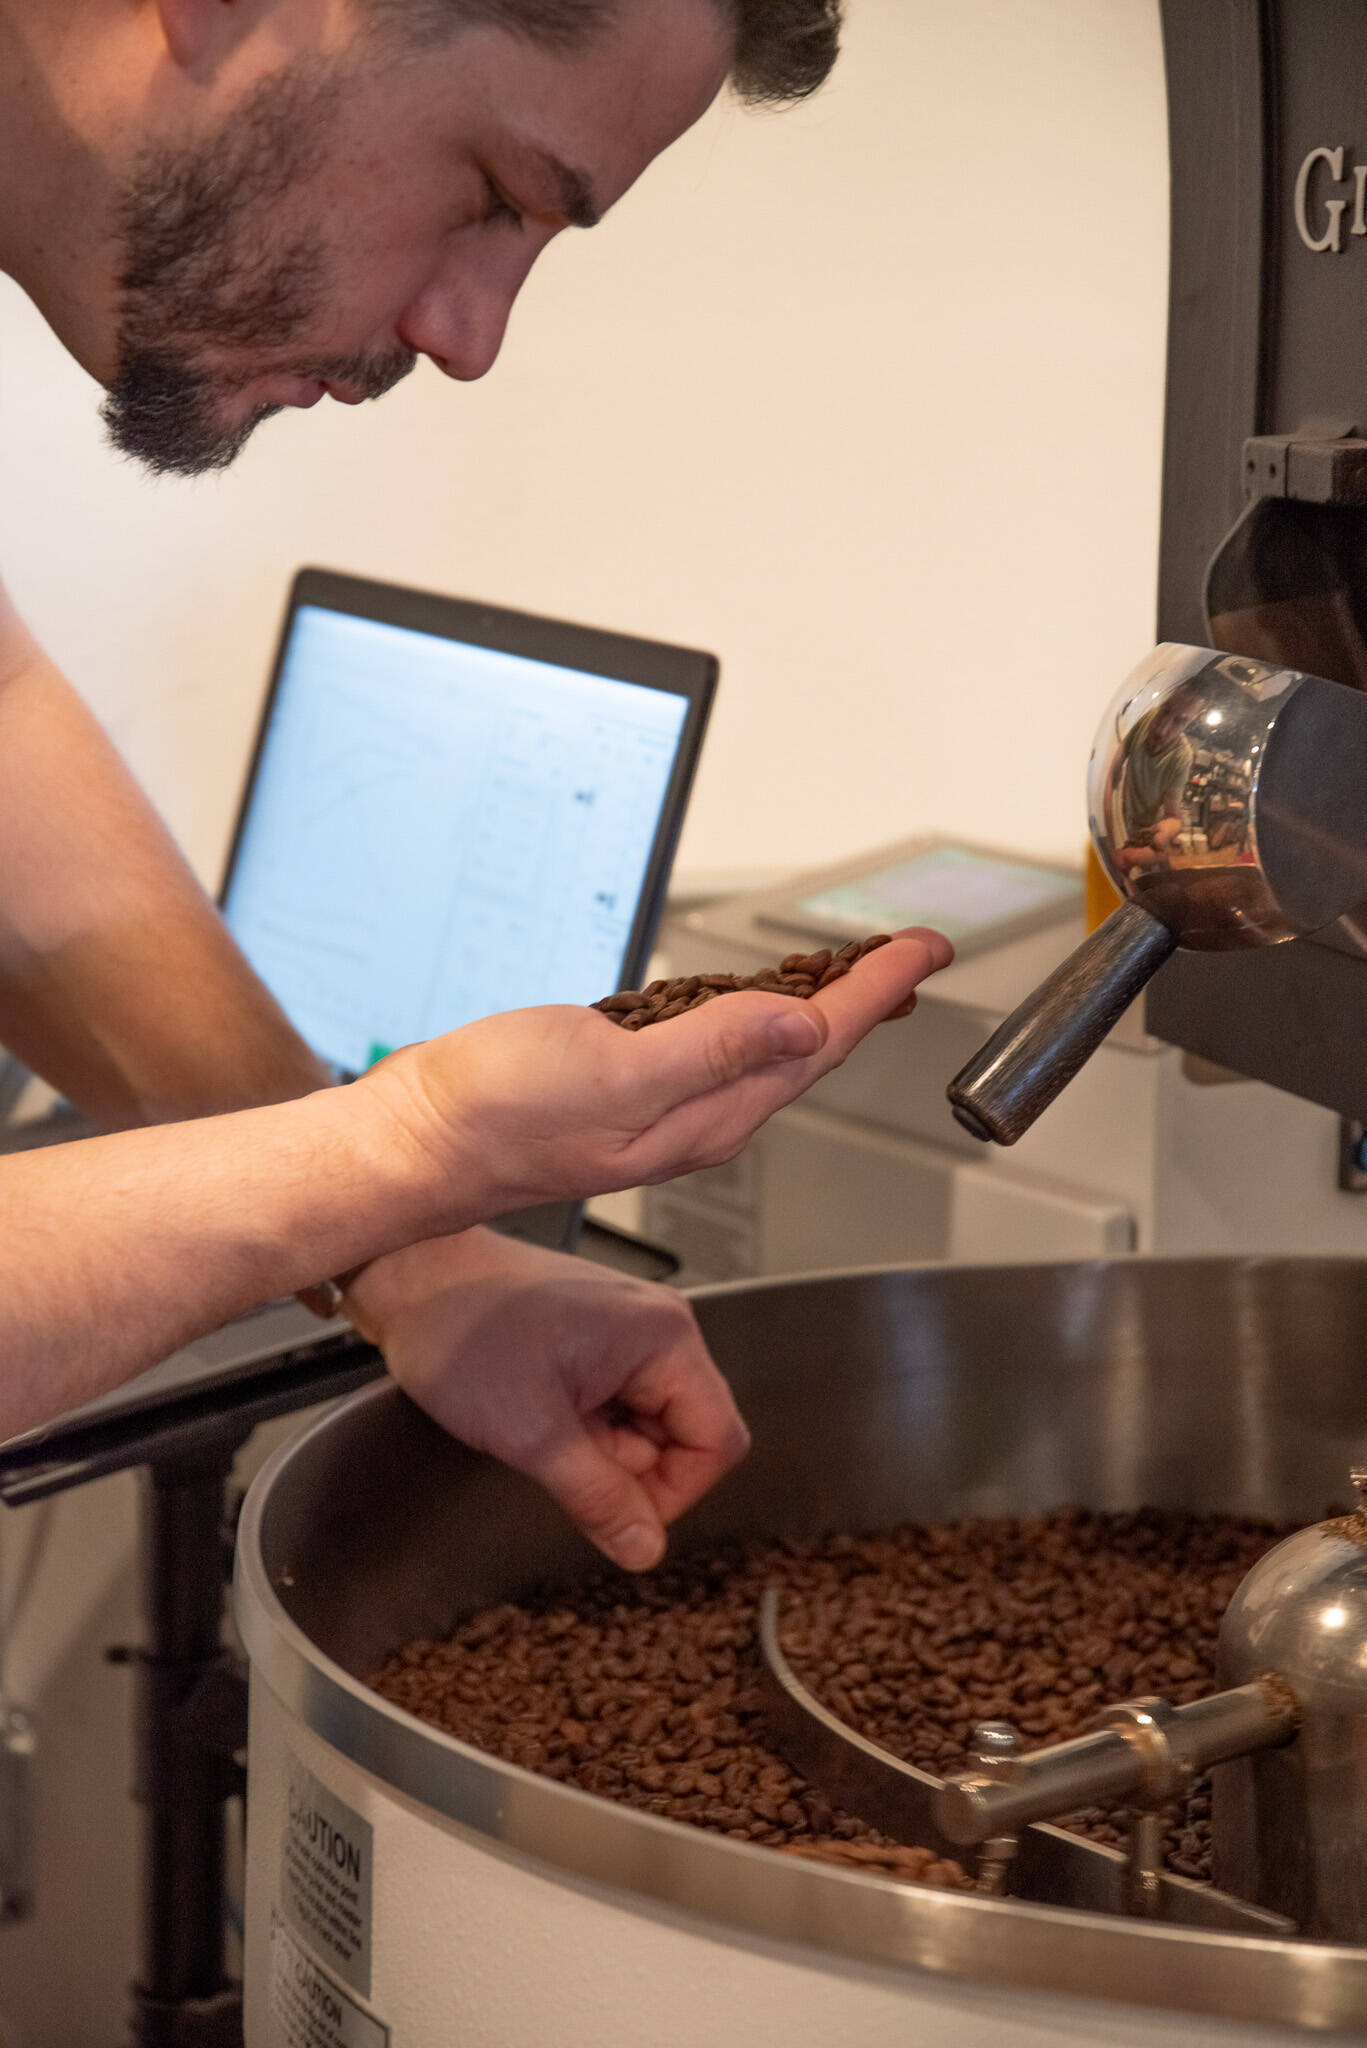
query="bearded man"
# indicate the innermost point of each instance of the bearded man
(224, 207)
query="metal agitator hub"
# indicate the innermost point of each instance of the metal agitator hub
(1286, 1740)
(1144, 1752)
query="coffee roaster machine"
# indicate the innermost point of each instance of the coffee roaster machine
(404, 1889)
(423, 1891)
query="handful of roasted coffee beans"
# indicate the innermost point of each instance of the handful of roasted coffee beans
(801, 974)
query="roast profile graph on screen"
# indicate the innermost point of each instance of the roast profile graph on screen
(437, 829)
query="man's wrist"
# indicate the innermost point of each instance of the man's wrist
(395, 1281)
(379, 1197)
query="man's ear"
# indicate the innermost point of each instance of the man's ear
(200, 33)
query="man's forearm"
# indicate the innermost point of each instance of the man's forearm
(117, 1251)
(118, 981)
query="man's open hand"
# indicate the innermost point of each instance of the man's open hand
(547, 1104)
(598, 1386)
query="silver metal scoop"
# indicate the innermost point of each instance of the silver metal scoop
(1228, 804)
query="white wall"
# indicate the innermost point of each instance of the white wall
(866, 396)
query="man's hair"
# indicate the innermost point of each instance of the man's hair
(784, 48)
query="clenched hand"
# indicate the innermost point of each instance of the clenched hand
(598, 1386)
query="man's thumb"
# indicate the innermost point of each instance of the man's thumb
(722, 1043)
(613, 1509)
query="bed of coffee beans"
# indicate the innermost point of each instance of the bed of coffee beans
(801, 974)
(644, 1689)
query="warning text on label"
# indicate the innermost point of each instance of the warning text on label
(307, 2009)
(325, 1876)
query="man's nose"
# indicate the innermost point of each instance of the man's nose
(460, 317)
(462, 332)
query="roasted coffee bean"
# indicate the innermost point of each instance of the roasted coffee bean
(799, 975)
(642, 1690)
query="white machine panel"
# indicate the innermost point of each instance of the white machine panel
(813, 1191)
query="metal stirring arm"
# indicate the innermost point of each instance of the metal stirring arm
(1048, 1864)
(1145, 1750)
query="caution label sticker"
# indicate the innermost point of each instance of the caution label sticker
(325, 1877)
(309, 2010)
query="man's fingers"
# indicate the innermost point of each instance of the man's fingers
(684, 1405)
(711, 1126)
(670, 1432)
(750, 1032)
(941, 949)
(608, 1503)
(630, 1446)
(721, 1043)
(877, 987)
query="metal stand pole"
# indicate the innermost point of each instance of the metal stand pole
(190, 1701)
(191, 1726)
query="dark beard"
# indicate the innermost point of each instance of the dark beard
(202, 275)
(165, 410)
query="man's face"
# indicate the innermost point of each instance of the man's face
(357, 207)
(1169, 722)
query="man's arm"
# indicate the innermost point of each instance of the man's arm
(118, 981)
(114, 1252)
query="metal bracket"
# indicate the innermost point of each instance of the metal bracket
(18, 1834)
(214, 2022)
(1312, 469)
(203, 1730)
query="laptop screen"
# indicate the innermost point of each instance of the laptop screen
(437, 828)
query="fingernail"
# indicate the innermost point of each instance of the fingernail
(795, 1036)
(636, 1549)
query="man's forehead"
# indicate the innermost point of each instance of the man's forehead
(583, 124)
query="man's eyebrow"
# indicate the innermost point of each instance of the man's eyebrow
(574, 191)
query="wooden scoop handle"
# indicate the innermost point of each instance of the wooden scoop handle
(1042, 1044)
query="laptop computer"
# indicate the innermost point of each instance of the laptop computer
(450, 810)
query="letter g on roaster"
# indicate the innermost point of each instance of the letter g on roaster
(1332, 238)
